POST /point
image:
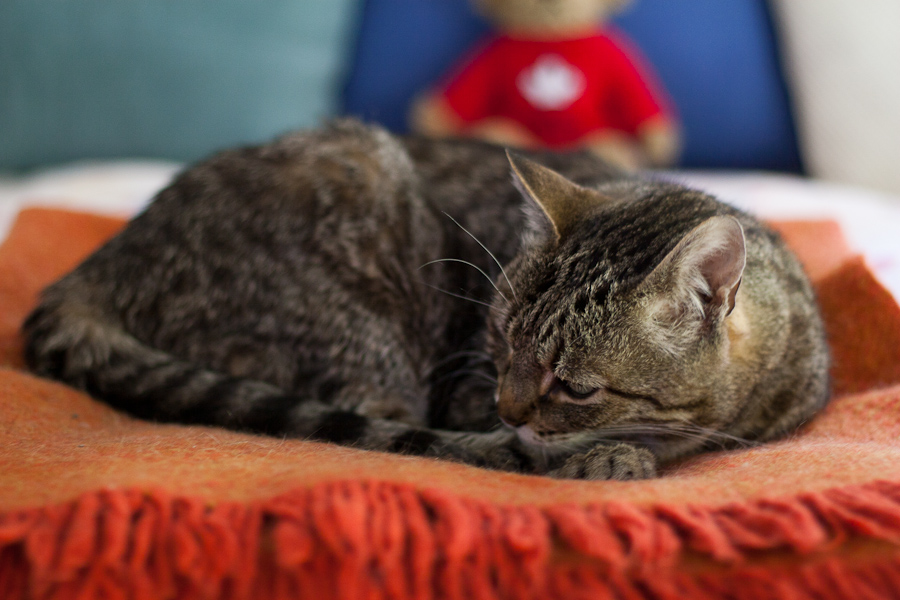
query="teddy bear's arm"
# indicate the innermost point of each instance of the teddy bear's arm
(660, 138)
(432, 116)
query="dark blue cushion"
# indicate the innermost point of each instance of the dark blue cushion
(717, 59)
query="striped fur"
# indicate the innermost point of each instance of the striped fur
(344, 285)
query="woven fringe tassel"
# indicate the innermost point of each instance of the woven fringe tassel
(386, 541)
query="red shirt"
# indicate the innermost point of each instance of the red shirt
(559, 90)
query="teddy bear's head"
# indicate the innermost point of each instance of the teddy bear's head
(540, 18)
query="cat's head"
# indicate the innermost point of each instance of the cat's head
(616, 316)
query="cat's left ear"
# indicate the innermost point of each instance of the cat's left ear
(705, 267)
(556, 204)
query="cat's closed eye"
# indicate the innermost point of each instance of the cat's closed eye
(576, 391)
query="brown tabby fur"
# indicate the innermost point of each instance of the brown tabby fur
(333, 285)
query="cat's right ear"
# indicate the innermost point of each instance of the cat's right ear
(553, 203)
(704, 269)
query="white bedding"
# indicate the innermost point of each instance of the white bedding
(871, 220)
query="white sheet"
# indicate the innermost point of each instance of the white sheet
(112, 188)
(870, 219)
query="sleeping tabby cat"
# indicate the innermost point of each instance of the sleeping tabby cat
(340, 285)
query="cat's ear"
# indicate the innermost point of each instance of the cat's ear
(556, 203)
(703, 272)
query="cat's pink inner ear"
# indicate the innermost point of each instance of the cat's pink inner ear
(707, 264)
(724, 265)
(562, 202)
(717, 252)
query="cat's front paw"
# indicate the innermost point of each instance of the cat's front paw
(620, 462)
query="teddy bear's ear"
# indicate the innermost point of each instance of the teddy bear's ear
(553, 203)
(614, 6)
(490, 9)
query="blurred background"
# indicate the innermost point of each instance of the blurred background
(785, 85)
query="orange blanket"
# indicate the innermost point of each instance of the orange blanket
(96, 504)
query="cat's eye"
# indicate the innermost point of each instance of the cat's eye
(576, 391)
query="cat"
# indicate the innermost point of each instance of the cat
(540, 313)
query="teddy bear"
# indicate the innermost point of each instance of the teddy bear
(553, 76)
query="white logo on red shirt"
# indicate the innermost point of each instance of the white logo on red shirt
(551, 83)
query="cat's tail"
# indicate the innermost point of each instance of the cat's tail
(73, 344)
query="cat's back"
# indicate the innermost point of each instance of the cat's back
(279, 242)
(350, 174)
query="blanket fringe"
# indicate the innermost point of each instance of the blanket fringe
(382, 540)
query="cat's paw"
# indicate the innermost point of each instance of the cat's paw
(620, 462)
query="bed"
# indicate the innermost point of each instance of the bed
(96, 504)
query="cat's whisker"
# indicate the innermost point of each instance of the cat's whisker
(491, 254)
(477, 356)
(713, 433)
(474, 266)
(487, 379)
(471, 373)
(494, 428)
(569, 443)
(477, 420)
(460, 296)
(744, 442)
(624, 434)
(684, 430)
(474, 353)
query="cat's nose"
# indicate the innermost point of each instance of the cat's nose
(513, 421)
(512, 410)
(519, 390)
(512, 424)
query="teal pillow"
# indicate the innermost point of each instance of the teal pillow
(171, 79)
